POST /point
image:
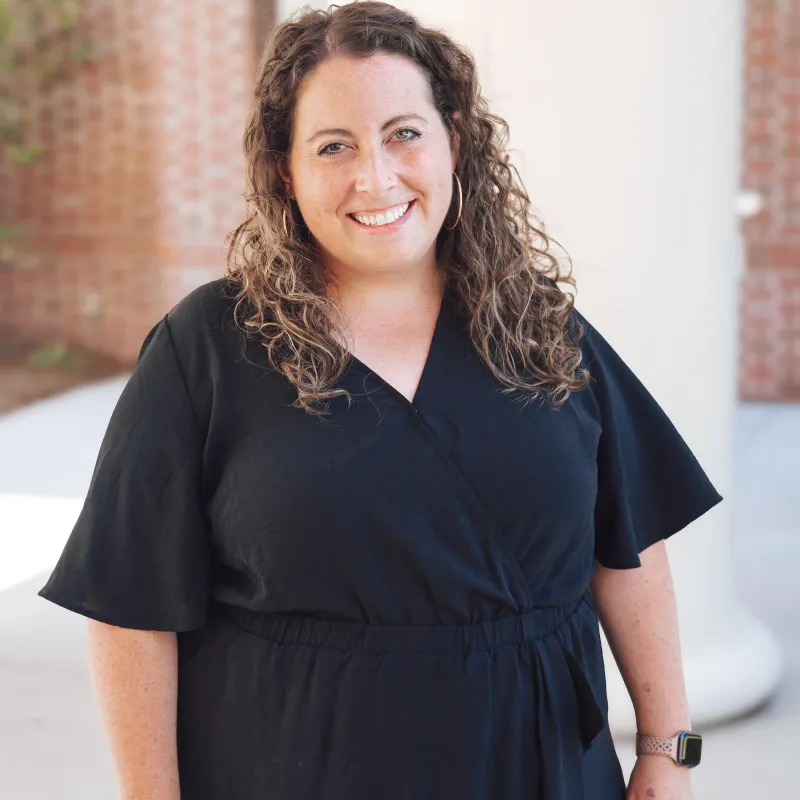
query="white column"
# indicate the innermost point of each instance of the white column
(627, 119)
(625, 125)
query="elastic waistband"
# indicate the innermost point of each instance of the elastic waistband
(431, 639)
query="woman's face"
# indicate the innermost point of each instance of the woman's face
(371, 165)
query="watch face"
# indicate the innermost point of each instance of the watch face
(691, 747)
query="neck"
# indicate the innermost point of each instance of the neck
(385, 293)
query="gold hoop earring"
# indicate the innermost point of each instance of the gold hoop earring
(285, 226)
(460, 205)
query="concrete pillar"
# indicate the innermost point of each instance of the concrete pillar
(628, 123)
(625, 127)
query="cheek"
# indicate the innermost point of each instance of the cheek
(318, 191)
(443, 191)
(431, 175)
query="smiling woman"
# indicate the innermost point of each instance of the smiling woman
(376, 163)
(378, 114)
(368, 478)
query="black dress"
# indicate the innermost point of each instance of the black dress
(389, 603)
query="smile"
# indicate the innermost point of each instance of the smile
(381, 219)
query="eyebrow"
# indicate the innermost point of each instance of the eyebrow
(344, 132)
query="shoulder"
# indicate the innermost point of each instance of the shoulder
(195, 344)
(202, 325)
(580, 331)
(209, 307)
(575, 319)
(585, 335)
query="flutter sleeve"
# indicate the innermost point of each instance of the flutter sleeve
(650, 484)
(138, 555)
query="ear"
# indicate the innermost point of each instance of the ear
(285, 176)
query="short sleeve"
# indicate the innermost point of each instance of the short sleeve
(138, 554)
(650, 484)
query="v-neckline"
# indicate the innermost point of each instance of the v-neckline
(427, 366)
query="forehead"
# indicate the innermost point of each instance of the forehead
(346, 92)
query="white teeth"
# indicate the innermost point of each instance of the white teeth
(384, 218)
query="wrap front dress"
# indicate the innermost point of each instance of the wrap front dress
(387, 604)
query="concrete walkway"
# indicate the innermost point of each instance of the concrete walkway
(51, 741)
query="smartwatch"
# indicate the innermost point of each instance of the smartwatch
(685, 748)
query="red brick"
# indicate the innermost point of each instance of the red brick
(770, 288)
(95, 201)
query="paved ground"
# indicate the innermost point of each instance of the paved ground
(29, 371)
(51, 743)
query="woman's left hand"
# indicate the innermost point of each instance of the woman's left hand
(659, 778)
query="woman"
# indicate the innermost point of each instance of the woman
(360, 551)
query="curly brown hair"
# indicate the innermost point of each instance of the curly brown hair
(496, 261)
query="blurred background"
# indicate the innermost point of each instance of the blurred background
(660, 143)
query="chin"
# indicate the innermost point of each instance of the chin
(391, 261)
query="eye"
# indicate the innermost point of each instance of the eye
(407, 134)
(326, 150)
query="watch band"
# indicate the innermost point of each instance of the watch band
(685, 748)
(657, 746)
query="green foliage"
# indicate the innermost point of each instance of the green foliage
(55, 355)
(41, 43)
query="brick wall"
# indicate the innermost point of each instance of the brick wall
(770, 292)
(142, 175)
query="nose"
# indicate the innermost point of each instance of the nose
(375, 173)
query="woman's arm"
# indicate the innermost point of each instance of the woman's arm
(638, 612)
(135, 678)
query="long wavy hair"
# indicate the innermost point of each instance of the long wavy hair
(496, 261)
